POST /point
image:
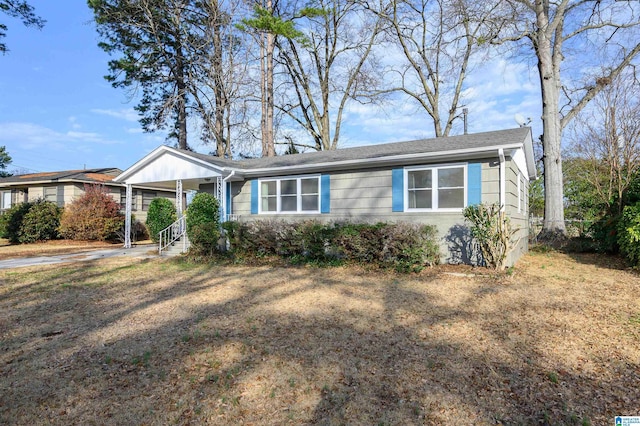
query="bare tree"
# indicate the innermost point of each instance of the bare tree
(439, 40)
(327, 67)
(607, 137)
(571, 39)
(218, 73)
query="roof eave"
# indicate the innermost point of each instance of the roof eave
(122, 178)
(392, 160)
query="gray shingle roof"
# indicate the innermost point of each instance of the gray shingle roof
(380, 151)
(87, 175)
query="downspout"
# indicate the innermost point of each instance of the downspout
(224, 194)
(503, 181)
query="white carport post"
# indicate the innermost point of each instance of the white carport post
(127, 217)
(179, 208)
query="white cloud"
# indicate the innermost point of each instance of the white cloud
(34, 136)
(128, 114)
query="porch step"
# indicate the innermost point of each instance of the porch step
(176, 248)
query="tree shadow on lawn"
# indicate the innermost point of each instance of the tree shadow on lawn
(208, 345)
(601, 260)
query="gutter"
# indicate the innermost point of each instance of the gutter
(224, 194)
(503, 180)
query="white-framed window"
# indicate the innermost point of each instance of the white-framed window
(296, 194)
(51, 194)
(6, 200)
(432, 188)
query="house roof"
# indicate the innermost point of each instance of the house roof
(452, 148)
(102, 175)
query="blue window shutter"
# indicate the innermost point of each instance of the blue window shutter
(474, 183)
(229, 199)
(254, 197)
(397, 190)
(325, 194)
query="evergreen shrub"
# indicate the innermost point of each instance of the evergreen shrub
(160, 215)
(40, 222)
(203, 223)
(629, 234)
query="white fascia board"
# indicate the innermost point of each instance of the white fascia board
(193, 168)
(404, 159)
(519, 158)
(529, 157)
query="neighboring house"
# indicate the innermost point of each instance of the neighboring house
(426, 181)
(65, 186)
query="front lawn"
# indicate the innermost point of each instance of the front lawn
(127, 341)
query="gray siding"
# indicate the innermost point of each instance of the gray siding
(366, 196)
(519, 219)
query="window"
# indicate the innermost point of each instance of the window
(147, 197)
(6, 200)
(51, 194)
(290, 195)
(436, 188)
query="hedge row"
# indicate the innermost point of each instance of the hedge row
(402, 246)
(94, 216)
(31, 222)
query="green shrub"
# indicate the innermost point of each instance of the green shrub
(204, 238)
(203, 223)
(491, 228)
(40, 222)
(93, 216)
(629, 233)
(13, 222)
(161, 214)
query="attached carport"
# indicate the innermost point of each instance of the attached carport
(178, 170)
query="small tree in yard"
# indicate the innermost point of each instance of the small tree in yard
(94, 216)
(492, 229)
(203, 222)
(161, 214)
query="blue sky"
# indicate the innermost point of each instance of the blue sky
(57, 112)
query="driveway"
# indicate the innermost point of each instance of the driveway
(145, 251)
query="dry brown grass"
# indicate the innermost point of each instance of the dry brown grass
(125, 341)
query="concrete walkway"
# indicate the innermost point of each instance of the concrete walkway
(144, 252)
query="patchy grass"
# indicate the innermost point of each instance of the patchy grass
(125, 341)
(51, 248)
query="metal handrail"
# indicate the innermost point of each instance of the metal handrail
(171, 233)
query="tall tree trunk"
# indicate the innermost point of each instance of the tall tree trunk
(548, 44)
(266, 53)
(220, 96)
(270, 143)
(181, 125)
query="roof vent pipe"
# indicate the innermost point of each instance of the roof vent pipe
(465, 111)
